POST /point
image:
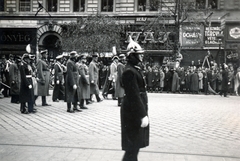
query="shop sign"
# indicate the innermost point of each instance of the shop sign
(232, 45)
(233, 33)
(210, 34)
(149, 37)
(19, 36)
(192, 36)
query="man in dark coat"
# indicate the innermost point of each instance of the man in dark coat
(43, 77)
(72, 78)
(93, 77)
(58, 90)
(134, 109)
(168, 79)
(225, 80)
(26, 94)
(15, 78)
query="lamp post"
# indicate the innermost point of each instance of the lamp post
(220, 38)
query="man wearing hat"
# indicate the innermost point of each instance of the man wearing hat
(134, 108)
(119, 92)
(58, 90)
(113, 75)
(225, 80)
(15, 78)
(43, 77)
(93, 77)
(72, 78)
(26, 87)
(84, 94)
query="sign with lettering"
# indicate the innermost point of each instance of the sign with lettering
(233, 33)
(192, 36)
(17, 36)
(210, 36)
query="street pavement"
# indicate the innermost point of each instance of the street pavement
(183, 127)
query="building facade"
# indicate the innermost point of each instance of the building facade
(38, 23)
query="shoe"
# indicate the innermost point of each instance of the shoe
(55, 101)
(75, 109)
(34, 109)
(100, 100)
(70, 111)
(25, 112)
(89, 103)
(104, 96)
(83, 107)
(33, 112)
(114, 98)
(119, 104)
(46, 104)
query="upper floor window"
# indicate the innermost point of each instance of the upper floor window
(52, 5)
(204, 4)
(24, 5)
(141, 5)
(2, 5)
(107, 5)
(78, 5)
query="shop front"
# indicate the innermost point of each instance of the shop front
(14, 40)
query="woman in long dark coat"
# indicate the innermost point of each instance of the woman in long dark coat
(134, 109)
(225, 80)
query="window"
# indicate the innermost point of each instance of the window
(212, 4)
(153, 5)
(107, 6)
(141, 5)
(52, 5)
(78, 5)
(203, 4)
(2, 5)
(24, 5)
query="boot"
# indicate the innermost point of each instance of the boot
(98, 98)
(69, 108)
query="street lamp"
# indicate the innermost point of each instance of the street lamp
(220, 38)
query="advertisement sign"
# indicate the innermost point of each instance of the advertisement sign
(210, 35)
(17, 36)
(233, 33)
(192, 36)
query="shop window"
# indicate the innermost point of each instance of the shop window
(141, 5)
(78, 5)
(52, 5)
(107, 6)
(24, 5)
(2, 6)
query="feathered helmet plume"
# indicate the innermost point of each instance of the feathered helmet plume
(133, 47)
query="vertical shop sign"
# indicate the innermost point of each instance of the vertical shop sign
(192, 36)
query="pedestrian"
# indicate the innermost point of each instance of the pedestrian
(83, 81)
(26, 94)
(156, 80)
(93, 77)
(175, 81)
(15, 78)
(72, 78)
(194, 80)
(58, 90)
(162, 76)
(134, 109)
(119, 92)
(43, 77)
(113, 75)
(149, 79)
(200, 78)
(168, 79)
(225, 80)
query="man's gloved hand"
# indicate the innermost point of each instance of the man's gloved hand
(57, 82)
(145, 122)
(92, 82)
(74, 86)
(30, 86)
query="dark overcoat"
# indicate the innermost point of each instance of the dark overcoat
(119, 92)
(225, 80)
(194, 82)
(83, 81)
(93, 77)
(72, 78)
(25, 94)
(58, 90)
(175, 82)
(43, 75)
(14, 76)
(133, 109)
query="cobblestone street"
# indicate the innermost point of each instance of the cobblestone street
(183, 127)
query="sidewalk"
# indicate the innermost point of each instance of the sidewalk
(207, 129)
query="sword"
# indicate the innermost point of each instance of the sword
(5, 85)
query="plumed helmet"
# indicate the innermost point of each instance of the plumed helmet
(133, 47)
(25, 55)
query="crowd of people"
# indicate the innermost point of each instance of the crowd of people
(76, 80)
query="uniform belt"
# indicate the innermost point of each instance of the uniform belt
(28, 76)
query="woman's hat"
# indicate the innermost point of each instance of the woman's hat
(82, 56)
(95, 55)
(134, 47)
